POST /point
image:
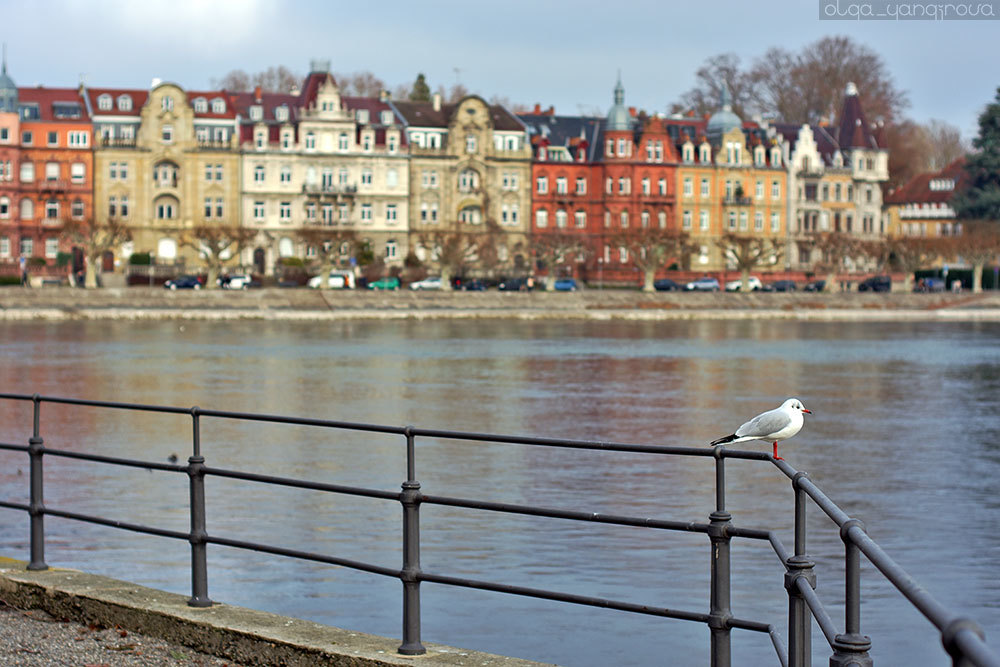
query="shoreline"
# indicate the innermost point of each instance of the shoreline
(273, 304)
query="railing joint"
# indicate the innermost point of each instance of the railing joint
(949, 635)
(847, 525)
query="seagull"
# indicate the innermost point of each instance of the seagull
(771, 426)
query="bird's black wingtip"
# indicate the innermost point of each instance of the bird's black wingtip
(722, 441)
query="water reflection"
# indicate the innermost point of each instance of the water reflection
(903, 435)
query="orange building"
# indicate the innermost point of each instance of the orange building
(54, 172)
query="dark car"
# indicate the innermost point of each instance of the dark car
(876, 284)
(183, 282)
(514, 285)
(665, 285)
(474, 285)
(815, 286)
(781, 286)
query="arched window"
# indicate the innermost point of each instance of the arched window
(104, 102)
(342, 143)
(472, 215)
(468, 180)
(218, 105)
(200, 105)
(124, 103)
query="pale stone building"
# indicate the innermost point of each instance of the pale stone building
(315, 159)
(470, 173)
(165, 161)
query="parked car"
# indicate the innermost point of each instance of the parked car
(335, 280)
(474, 285)
(665, 285)
(514, 285)
(737, 285)
(183, 282)
(431, 282)
(384, 284)
(876, 284)
(781, 286)
(236, 281)
(815, 286)
(705, 284)
(565, 285)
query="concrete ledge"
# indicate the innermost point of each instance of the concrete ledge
(247, 636)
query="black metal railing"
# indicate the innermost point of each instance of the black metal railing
(961, 637)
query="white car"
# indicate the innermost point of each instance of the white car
(432, 282)
(737, 285)
(235, 281)
(336, 280)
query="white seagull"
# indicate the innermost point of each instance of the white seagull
(771, 426)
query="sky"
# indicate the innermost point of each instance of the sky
(563, 53)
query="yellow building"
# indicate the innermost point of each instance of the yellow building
(921, 207)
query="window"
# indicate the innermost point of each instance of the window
(759, 190)
(286, 174)
(260, 139)
(644, 219)
(201, 106)
(775, 222)
(51, 247)
(645, 186)
(366, 141)
(104, 102)
(258, 210)
(26, 138)
(687, 153)
(112, 206)
(561, 219)
(366, 213)
(219, 208)
(621, 147)
(732, 221)
(366, 177)
(53, 138)
(609, 185)
(285, 211)
(686, 220)
(704, 188)
(342, 176)
(624, 185)
(286, 140)
(390, 213)
(703, 220)
(165, 211)
(775, 189)
(124, 206)
(470, 143)
(542, 181)
(758, 221)
(27, 247)
(623, 218)
(218, 172)
(661, 219)
(258, 174)
(743, 221)
(391, 249)
(4, 207)
(581, 186)
(79, 139)
(218, 105)
(688, 187)
(561, 185)
(168, 134)
(51, 171)
(167, 103)
(541, 218)
(4, 134)
(387, 117)
(124, 103)
(208, 207)
(580, 219)
(704, 153)
(310, 141)
(4, 246)
(27, 172)
(78, 172)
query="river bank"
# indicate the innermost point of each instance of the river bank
(141, 303)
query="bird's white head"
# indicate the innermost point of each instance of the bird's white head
(795, 404)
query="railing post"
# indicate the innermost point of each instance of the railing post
(851, 648)
(719, 611)
(36, 503)
(799, 566)
(199, 548)
(410, 574)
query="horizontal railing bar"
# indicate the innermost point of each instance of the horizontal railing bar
(819, 612)
(303, 421)
(755, 626)
(304, 555)
(562, 597)
(933, 610)
(14, 506)
(114, 460)
(134, 527)
(302, 484)
(14, 448)
(508, 508)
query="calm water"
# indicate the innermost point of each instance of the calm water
(904, 435)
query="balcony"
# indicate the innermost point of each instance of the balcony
(733, 200)
(117, 142)
(215, 145)
(328, 189)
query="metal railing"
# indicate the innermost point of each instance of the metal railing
(961, 637)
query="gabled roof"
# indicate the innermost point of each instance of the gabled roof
(138, 98)
(566, 131)
(54, 104)
(423, 114)
(921, 188)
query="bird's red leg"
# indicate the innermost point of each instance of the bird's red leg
(776, 457)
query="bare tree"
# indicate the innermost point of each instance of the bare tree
(652, 248)
(217, 245)
(360, 84)
(978, 244)
(906, 254)
(749, 252)
(275, 79)
(333, 247)
(556, 250)
(835, 247)
(946, 143)
(459, 246)
(703, 99)
(95, 239)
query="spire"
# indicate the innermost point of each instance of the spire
(725, 98)
(618, 116)
(619, 90)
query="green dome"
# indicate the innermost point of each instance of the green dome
(724, 120)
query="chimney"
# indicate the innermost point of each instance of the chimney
(384, 96)
(257, 93)
(436, 101)
(631, 111)
(551, 111)
(538, 109)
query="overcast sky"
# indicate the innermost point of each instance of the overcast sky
(553, 52)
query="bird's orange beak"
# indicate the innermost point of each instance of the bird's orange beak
(807, 411)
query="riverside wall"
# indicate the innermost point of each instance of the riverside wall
(134, 303)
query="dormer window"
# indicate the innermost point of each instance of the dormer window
(775, 157)
(256, 112)
(362, 115)
(281, 113)
(218, 105)
(167, 103)
(758, 156)
(687, 153)
(104, 102)
(124, 103)
(387, 117)
(260, 139)
(200, 105)
(705, 153)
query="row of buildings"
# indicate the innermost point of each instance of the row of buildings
(398, 175)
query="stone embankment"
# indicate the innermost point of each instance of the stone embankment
(133, 303)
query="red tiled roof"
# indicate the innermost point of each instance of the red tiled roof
(918, 189)
(46, 99)
(138, 97)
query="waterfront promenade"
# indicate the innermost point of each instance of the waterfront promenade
(137, 303)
